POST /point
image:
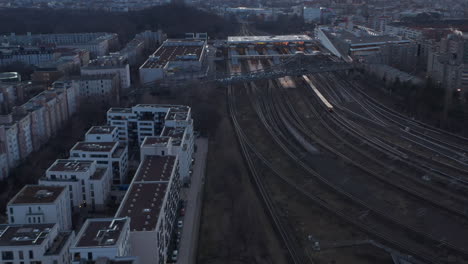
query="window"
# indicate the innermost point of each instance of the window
(7, 255)
(31, 254)
(12, 220)
(11, 210)
(90, 255)
(21, 255)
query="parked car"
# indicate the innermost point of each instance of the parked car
(175, 253)
(180, 224)
(182, 211)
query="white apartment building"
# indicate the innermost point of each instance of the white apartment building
(110, 65)
(140, 121)
(102, 88)
(111, 155)
(102, 134)
(35, 243)
(177, 141)
(151, 203)
(39, 204)
(102, 238)
(88, 185)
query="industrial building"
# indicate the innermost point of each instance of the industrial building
(175, 58)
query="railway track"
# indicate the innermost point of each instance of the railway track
(354, 215)
(425, 246)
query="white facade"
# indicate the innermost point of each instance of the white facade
(102, 238)
(177, 141)
(102, 134)
(151, 203)
(88, 185)
(38, 204)
(36, 243)
(112, 155)
(140, 121)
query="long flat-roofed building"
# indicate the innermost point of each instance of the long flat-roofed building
(277, 39)
(151, 204)
(174, 57)
(112, 155)
(35, 243)
(39, 204)
(89, 185)
(102, 238)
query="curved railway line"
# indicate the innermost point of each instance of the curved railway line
(294, 136)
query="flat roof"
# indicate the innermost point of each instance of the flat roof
(145, 196)
(94, 146)
(70, 165)
(58, 244)
(120, 110)
(143, 205)
(176, 133)
(167, 53)
(155, 169)
(101, 232)
(24, 235)
(149, 141)
(104, 130)
(98, 174)
(37, 194)
(274, 38)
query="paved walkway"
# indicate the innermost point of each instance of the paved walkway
(194, 197)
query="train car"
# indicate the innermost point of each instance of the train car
(322, 98)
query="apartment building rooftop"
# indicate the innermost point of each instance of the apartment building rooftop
(58, 243)
(120, 110)
(68, 165)
(155, 169)
(24, 235)
(104, 130)
(154, 141)
(98, 174)
(176, 133)
(94, 146)
(37, 194)
(101, 232)
(143, 204)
